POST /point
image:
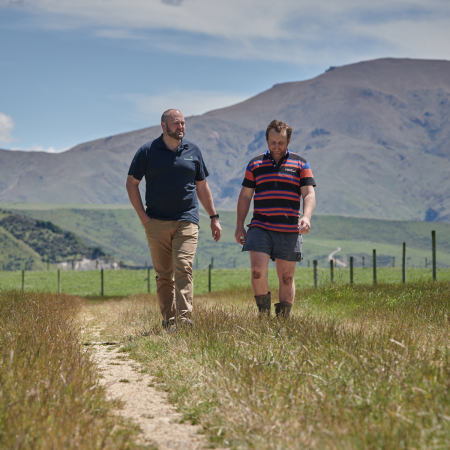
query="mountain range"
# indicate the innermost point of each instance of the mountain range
(376, 133)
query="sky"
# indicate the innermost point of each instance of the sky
(76, 70)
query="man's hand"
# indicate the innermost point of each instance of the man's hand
(305, 225)
(216, 229)
(309, 203)
(240, 235)
(135, 198)
(144, 219)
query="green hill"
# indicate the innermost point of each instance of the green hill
(29, 243)
(119, 233)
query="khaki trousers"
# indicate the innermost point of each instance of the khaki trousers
(172, 247)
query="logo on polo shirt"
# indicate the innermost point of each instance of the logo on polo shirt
(289, 170)
(191, 158)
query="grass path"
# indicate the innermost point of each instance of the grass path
(50, 395)
(127, 381)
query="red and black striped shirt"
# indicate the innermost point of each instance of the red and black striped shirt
(277, 190)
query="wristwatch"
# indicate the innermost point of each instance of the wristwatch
(216, 216)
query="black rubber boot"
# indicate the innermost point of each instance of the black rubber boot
(283, 310)
(169, 324)
(263, 302)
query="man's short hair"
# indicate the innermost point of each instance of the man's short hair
(166, 114)
(279, 126)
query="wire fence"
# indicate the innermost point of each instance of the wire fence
(112, 282)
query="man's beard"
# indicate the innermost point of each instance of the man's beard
(173, 135)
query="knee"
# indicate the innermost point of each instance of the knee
(287, 279)
(257, 274)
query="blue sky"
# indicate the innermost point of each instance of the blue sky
(76, 70)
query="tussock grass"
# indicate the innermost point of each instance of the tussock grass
(49, 392)
(362, 367)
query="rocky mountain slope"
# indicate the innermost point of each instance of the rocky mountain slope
(376, 134)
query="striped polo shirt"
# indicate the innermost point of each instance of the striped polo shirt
(277, 190)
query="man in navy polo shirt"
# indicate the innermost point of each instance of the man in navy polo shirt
(175, 176)
(276, 180)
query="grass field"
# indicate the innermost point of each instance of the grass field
(128, 282)
(50, 397)
(355, 367)
(118, 231)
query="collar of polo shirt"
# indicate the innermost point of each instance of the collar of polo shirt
(182, 144)
(270, 156)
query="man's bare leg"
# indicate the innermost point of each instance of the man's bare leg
(286, 292)
(259, 263)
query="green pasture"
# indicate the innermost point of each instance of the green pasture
(129, 282)
(118, 231)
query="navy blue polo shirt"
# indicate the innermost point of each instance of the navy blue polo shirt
(170, 179)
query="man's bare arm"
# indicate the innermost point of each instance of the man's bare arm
(135, 198)
(309, 203)
(243, 206)
(205, 197)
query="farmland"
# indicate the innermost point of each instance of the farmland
(117, 230)
(354, 367)
(129, 282)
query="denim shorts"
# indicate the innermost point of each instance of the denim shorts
(276, 244)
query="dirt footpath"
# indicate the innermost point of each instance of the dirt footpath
(143, 404)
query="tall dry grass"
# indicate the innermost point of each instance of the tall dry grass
(364, 367)
(49, 392)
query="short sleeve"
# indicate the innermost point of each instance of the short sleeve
(139, 164)
(306, 176)
(202, 171)
(249, 179)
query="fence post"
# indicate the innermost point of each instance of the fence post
(393, 261)
(101, 276)
(404, 263)
(426, 263)
(315, 272)
(23, 280)
(59, 281)
(331, 270)
(363, 261)
(374, 266)
(433, 245)
(351, 269)
(209, 277)
(196, 263)
(148, 280)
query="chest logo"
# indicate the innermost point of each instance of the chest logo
(290, 170)
(191, 158)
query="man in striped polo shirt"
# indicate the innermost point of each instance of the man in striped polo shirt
(276, 180)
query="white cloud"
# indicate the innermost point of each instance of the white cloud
(189, 103)
(302, 31)
(6, 127)
(38, 148)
